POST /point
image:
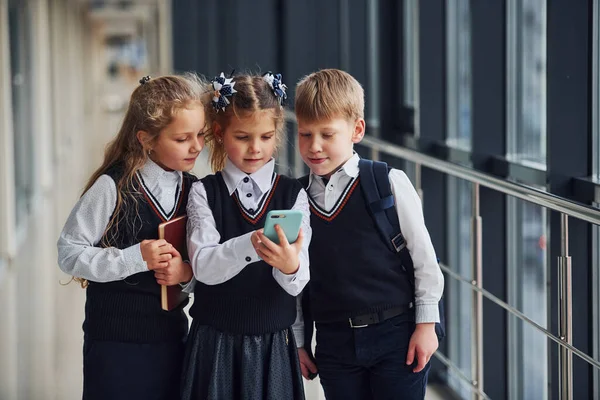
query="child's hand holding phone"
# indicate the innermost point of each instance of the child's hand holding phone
(283, 256)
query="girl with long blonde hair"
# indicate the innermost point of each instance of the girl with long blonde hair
(132, 348)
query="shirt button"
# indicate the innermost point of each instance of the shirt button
(329, 187)
(248, 259)
(246, 180)
(251, 211)
(248, 194)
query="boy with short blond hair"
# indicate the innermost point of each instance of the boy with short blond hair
(375, 319)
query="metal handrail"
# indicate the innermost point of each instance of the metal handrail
(532, 195)
(567, 209)
(521, 316)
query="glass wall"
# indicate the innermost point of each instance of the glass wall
(527, 291)
(526, 81)
(410, 42)
(458, 82)
(411, 57)
(460, 298)
(527, 223)
(458, 135)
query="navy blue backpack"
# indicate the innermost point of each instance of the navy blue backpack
(376, 189)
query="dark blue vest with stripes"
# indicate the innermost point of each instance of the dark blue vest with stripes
(352, 271)
(252, 302)
(130, 310)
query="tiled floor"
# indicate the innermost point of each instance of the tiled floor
(313, 392)
(433, 393)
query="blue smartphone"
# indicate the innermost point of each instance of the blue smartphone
(289, 220)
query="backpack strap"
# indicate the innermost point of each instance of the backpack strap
(375, 185)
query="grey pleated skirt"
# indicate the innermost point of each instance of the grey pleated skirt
(222, 366)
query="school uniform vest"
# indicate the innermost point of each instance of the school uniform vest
(252, 302)
(130, 310)
(352, 270)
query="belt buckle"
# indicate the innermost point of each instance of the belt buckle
(356, 326)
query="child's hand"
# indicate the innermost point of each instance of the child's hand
(306, 364)
(423, 343)
(283, 256)
(176, 272)
(156, 253)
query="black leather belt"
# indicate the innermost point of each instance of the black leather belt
(362, 321)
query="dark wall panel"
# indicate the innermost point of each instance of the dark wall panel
(432, 85)
(488, 66)
(569, 155)
(310, 44)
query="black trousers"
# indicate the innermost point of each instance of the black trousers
(131, 371)
(369, 363)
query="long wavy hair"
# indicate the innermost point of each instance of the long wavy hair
(151, 108)
(253, 94)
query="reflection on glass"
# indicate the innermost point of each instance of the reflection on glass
(527, 292)
(411, 49)
(526, 142)
(458, 69)
(461, 300)
(411, 71)
(526, 70)
(458, 44)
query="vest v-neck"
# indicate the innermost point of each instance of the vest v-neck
(329, 215)
(253, 216)
(155, 204)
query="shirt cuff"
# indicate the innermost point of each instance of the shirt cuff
(188, 287)
(245, 250)
(134, 263)
(299, 335)
(427, 313)
(287, 282)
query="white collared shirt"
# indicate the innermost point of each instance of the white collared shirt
(213, 262)
(429, 281)
(78, 254)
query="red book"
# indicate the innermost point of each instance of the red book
(174, 232)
